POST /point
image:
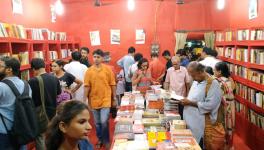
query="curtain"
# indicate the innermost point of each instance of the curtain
(209, 38)
(180, 40)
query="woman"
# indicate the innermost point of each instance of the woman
(66, 80)
(142, 77)
(69, 128)
(222, 74)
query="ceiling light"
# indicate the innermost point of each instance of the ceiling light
(59, 7)
(131, 5)
(220, 4)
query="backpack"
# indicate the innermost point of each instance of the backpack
(25, 126)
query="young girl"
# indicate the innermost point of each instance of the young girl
(69, 128)
(222, 74)
(66, 80)
(142, 77)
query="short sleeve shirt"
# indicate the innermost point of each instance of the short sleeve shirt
(100, 81)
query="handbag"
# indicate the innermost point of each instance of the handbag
(214, 133)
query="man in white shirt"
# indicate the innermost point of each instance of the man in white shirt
(208, 58)
(78, 70)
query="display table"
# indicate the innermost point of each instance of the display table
(151, 122)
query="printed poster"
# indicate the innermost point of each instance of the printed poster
(140, 36)
(253, 9)
(17, 6)
(95, 38)
(115, 36)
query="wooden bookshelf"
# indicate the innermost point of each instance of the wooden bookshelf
(242, 51)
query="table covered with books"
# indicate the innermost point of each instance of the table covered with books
(151, 121)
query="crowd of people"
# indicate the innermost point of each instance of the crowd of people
(67, 95)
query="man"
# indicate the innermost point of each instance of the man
(9, 70)
(51, 90)
(198, 103)
(184, 57)
(208, 58)
(178, 80)
(100, 88)
(84, 59)
(157, 68)
(125, 62)
(78, 70)
(166, 54)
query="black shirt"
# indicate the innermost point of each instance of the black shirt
(85, 62)
(51, 90)
(66, 80)
(168, 65)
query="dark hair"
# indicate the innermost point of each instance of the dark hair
(76, 56)
(59, 62)
(223, 67)
(214, 53)
(13, 63)
(85, 49)
(98, 52)
(141, 61)
(207, 50)
(209, 70)
(154, 55)
(196, 66)
(138, 56)
(179, 51)
(37, 63)
(131, 50)
(66, 111)
(166, 53)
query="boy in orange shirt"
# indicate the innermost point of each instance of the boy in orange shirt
(100, 88)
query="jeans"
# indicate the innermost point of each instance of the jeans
(5, 143)
(101, 119)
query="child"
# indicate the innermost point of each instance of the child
(69, 128)
(120, 88)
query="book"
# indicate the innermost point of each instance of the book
(53, 55)
(229, 52)
(242, 54)
(25, 75)
(257, 56)
(220, 51)
(177, 124)
(151, 122)
(4, 54)
(219, 36)
(24, 58)
(243, 35)
(38, 54)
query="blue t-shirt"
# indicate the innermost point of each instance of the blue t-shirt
(85, 145)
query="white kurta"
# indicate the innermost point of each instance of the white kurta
(78, 70)
(193, 116)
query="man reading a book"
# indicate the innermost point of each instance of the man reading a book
(178, 80)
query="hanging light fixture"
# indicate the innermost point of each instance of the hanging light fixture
(59, 7)
(220, 4)
(131, 5)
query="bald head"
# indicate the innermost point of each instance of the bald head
(175, 59)
(196, 66)
(197, 71)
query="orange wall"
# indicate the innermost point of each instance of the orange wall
(36, 13)
(80, 18)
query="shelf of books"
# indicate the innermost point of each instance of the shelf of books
(243, 49)
(27, 43)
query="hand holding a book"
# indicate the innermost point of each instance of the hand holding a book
(187, 102)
